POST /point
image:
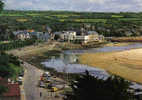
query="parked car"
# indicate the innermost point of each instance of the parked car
(54, 89)
(46, 74)
(20, 80)
(41, 84)
(21, 73)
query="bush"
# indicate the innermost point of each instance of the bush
(87, 87)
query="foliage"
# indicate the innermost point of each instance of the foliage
(108, 24)
(2, 89)
(88, 87)
(9, 65)
(16, 44)
(9, 68)
(1, 5)
(5, 33)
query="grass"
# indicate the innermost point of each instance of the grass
(17, 70)
(64, 15)
(15, 15)
(22, 20)
(90, 20)
(85, 20)
(129, 19)
(60, 16)
(117, 16)
(4, 42)
(34, 14)
(126, 64)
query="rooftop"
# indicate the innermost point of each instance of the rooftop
(13, 89)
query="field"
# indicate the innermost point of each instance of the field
(107, 24)
(22, 20)
(130, 19)
(126, 64)
(117, 16)
(10, 15)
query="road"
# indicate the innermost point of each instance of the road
(32, 74)
(32, 91)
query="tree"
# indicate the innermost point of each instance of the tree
(6, 68)
(88, 87)
(1, 5)
(2, 89)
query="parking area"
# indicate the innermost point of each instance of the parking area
(54, 85)
(40, 85)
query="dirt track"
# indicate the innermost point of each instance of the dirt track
(127, 64)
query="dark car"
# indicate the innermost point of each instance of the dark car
(21, 73)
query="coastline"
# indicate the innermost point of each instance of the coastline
(126, 64)
(37, 54)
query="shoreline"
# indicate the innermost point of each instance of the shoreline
(36, 54)
(126, 64)
(40, 49)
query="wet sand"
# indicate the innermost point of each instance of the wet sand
(127, 64)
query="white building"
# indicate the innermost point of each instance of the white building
(68, 35)
(91, 36)
(22, 35)
(85, 37)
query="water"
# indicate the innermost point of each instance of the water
(60, 66)
(68, 60)
(105, 49)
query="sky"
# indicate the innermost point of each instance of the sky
(76, 5)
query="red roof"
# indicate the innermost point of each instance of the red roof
(13, 90)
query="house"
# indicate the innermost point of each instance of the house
(44, 36)
(22, 35)
(49, 30)
(13, 92)
(90, 36)
(68, 36)
(57, 36)
(81, 36)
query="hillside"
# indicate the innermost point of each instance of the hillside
(108, 24)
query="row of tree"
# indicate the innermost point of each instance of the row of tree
(87, 87)
(16, 44)
(108, 24)
(9, 68)
(1, 5)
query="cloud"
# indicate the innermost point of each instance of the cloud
(76, 5)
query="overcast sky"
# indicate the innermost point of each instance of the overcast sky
(76, 5)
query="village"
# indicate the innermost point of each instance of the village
(81, 37)
(70, 50)
(54, 85)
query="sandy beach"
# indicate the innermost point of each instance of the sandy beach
(127, 64)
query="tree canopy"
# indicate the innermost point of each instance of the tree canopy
(1, 5)
(2, 89)
(8, 65)
(88, 87)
